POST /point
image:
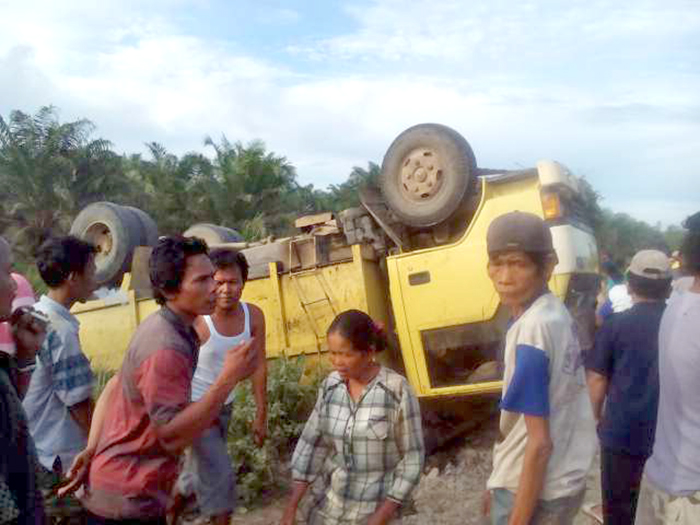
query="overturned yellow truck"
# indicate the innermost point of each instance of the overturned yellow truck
(413, 256)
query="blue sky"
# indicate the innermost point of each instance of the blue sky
(611, 89)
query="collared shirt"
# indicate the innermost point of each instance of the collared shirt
(20, 499)
(132, 474)
(626, 352)
(544, 377)
(62, 379)
(364, 451)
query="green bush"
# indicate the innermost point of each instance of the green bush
(102, 376)
(262, 471)
(290, 399)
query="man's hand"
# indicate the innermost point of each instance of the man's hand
(260, 429)
(384, 513)
(77, 475)
(28, 332)
(240, 362)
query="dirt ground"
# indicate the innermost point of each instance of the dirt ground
(451, 489)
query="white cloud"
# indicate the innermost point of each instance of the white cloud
(519, 84)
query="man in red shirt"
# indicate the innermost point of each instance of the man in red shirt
(131, 460)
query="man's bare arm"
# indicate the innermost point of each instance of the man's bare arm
(597, 390)
(78, 471)
(259, 376)
(537, 452)
(189, 424)
(82, 414)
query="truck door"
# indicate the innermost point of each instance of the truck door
(449, 322)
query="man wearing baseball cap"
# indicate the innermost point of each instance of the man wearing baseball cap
(547, 440)
(623, 369)
(670, 492)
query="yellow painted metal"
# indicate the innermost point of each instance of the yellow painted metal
(453, 288)
(291, 303)
(459, 290)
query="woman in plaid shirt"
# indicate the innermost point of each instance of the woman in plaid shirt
(361, 451)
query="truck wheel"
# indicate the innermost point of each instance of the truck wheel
(115, 232)
(149, 229)
(426, 174)
(213, 234)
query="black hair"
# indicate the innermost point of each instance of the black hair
(690, 248)
(58, 257)
(224, 258)
(611, 270)
(358, 328)
(539, 259)
(654, 289)
(168, 263)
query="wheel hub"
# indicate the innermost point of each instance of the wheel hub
(421, 174)
(99, 235)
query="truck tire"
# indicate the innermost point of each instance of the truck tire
(149, 229)
(115, 231)
(427, 174)
(213, 234)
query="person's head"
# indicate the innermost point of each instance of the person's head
(25, 292)
(649, 276)
(612, 272)
(231, 274)
(68, 263)
(353, 341)
(521, 257)
(690, 247)
(8, 287)
(182, 276)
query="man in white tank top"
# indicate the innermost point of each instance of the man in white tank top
(208, 472)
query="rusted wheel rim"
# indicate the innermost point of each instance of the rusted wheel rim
(98, 234)
(421, 175)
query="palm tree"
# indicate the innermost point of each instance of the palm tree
(49, 171)
(347, 194)
(249, 187)
(172, 187)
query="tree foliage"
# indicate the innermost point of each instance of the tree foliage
(50, 170)
(620, 236)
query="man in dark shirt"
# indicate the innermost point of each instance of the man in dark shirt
(20, 500)
(623, 375)
(131, 459)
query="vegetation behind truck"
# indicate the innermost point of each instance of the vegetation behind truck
(413, 256)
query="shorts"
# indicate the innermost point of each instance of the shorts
(560, 511)
(657, 507)
(207, 471)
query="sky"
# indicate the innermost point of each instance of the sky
(609, 88)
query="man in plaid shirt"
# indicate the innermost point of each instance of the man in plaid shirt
(360, 452)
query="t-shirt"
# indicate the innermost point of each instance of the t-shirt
(544, 377)
(131, 475)
(62, 379)
(626, 352)
(618, 301)
(674, 466)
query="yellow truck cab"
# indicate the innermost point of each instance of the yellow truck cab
(448, 318)
(413, 256)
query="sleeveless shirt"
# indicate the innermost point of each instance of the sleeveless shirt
(212, 354)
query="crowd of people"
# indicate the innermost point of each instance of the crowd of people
(157, 433)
